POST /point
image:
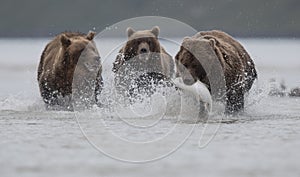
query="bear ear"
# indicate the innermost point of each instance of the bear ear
(90, 36)
(130, 31)
(65, 41)
(155, 31)
(186, 42)
(212, 42)
(186, 38)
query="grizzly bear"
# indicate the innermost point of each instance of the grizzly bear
(236, 65)
(140, 61)
(67, 53)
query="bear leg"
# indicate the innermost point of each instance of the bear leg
(98, 89)
(234, 102)
(54, 101)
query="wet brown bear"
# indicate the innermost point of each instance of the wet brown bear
(143, 55)
(68, 53)
(235, 63)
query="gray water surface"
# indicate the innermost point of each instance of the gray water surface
(263, 141)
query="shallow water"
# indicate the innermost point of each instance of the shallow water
(263, 141)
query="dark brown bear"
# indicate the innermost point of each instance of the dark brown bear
(66, 54)
(142, 58)
(236, 65)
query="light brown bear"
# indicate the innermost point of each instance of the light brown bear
(66, 54)
(143, 55)
(236, 65)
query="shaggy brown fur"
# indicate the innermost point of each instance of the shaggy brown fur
(57, 66)
(238, 67)
(141, 53)
(150, 37)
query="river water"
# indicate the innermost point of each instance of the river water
(263, 141)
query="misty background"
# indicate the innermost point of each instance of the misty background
(240, 18)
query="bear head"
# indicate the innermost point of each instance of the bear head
(142, 42)
(194, 60)
(80, 50)
(142, 47)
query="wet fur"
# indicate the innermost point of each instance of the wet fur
(239, 69)
(57, 66)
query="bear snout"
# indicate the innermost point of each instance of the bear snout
(143, 50)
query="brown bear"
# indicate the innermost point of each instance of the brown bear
(67, 53)
(236, 65)
(143, 55)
